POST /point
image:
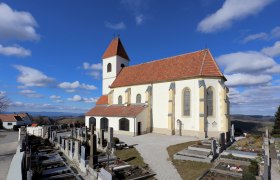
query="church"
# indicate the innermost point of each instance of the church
(179, 95)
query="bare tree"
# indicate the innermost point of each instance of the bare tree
(4, 102)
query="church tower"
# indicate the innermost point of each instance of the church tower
(114, 59)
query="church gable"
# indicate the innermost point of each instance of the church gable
(196, 64)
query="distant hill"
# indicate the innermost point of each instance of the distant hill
(252, 117)
(51, 114)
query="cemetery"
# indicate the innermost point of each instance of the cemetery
(90, 154)
(228, 157)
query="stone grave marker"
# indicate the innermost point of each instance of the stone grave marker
(93, 150)
(222, 141)
(83, 155)
(232, 133)
(101, 137)
(227, 137)
(213, 148)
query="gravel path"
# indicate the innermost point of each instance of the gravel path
(8, 145)
(152, 148)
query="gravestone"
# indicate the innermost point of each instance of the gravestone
(93, 150)
(213, 148)
(232, 133)
(91, 129)
(227, 137)
(77, 151)
(83, 155)
(102, 138)
(111, 144)
(67, 147)
(72, 133)
(86, 134)
(222, 141)
(266, 133)
(71, 149)
(60, 140)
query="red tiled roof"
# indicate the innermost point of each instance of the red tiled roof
(115, 48)
(12, 117)
(116, 111)
(190, 65)
(102, 100)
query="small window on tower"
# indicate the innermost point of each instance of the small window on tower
(122, 65)
(109, 67)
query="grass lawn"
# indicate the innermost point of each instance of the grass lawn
(187, 169)
(131, 156)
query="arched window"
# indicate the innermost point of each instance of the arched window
(120, 99)
(124, 124)
(138, 98)
(210, 101)
(109, 67)
(104, 124)
(186, 102)
(92, 120)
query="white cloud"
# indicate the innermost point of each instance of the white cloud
(14, 51)
(272, 51)
(75, 98)
(32, 77)
(255, 100)
(37, 107)
(76, 85)
(231, 11)
(275, 32)
(55, 97)
(247, 79)
(115, 26)
(16, 25)
(246, 62)
(2, 93)
(139, 19)
(95, 74)
(136, 7)
(258, 36)
(30, 93)
(78, 98)
(88, 66)
(95, 69)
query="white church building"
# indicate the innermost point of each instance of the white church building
(179, 95)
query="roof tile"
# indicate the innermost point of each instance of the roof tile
(196, 64)
(116, 111)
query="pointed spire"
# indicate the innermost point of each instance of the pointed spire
(115, 48)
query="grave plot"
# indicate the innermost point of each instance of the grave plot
(202, 151)
(46, 162)
(251, 143)
(218, 176)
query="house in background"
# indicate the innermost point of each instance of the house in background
(179, 95)
(9, 120)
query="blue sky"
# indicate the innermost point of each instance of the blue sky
(50, 51)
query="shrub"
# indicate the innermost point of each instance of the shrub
(252, 171)
(15, 128)
(116, 140)
(64, 126)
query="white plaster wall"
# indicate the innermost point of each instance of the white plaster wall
(188, 122)
(117, 92)
(139, 89)
(160, 97)
(109, 77)
(113, 122)
(217, 112)
(5, 125)
(142, 117)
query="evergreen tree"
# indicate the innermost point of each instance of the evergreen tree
(276, 127)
